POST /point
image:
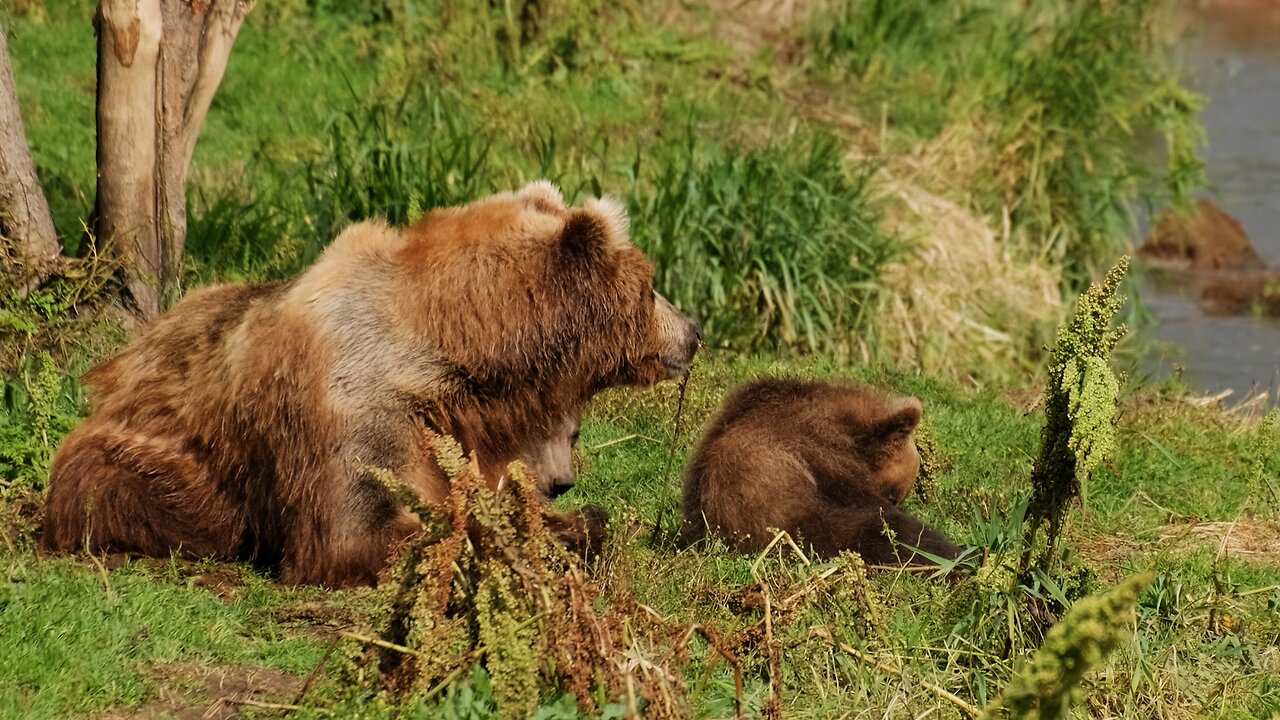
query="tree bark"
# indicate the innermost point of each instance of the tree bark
(159, 64)
(29, 249)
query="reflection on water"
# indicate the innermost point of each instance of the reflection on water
(1215, 352)
(1240, 75)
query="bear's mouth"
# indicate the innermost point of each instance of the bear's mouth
(676, 368)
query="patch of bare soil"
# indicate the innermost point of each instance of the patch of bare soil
(1105, 549)
(315, 618)
(1025, 400)
(194, 692)
(749, 25)
(224, 580)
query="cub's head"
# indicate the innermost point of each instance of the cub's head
(894, 461)
(552, 461)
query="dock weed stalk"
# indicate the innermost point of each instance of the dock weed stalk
(486, 582)
(1080, 404)
(1049, 685)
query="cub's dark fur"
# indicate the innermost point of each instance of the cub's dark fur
(826, 462)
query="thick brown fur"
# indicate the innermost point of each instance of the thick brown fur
(826, 462)
(250, 421)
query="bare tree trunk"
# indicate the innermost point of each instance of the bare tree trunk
(159, 64)
(129, 33)
(29, 249)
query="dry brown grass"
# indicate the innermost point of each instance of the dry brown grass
(1252, 540)
(963, 302)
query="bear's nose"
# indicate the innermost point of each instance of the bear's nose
(560, 486)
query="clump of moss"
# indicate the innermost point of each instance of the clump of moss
(1080, 403)
(486, 582)
(1050, 684)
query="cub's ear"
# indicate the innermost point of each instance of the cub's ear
(900, 419)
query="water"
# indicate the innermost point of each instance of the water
(1235, 62)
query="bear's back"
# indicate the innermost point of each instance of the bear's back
(181, 351)
(781, 449)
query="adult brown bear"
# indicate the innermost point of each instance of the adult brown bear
(250, 421)
(826, 462)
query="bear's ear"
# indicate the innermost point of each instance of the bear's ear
(901, 417)
(544, 196)
(600, 225)
(582, 236)
(614, 215)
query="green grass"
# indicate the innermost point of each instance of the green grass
(77, 642)
(334, 112)
(1177, 465)
(1058, 95)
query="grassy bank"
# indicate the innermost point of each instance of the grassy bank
(1191, 493)
(899, 192)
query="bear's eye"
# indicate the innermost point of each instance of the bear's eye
(573, 439)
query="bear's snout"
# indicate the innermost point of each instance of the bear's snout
(560, 485)
(695, 339)
(679, 338)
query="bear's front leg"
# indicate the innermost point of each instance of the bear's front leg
(349, 535)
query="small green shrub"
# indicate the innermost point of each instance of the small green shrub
(39, 404)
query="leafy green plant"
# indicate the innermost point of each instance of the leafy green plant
(1050, 683)
(39, 404)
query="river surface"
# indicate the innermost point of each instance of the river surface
(1237, 67)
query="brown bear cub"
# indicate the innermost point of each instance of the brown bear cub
(552, 464)
(826, 462)
(552, 461)
(252, 422)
